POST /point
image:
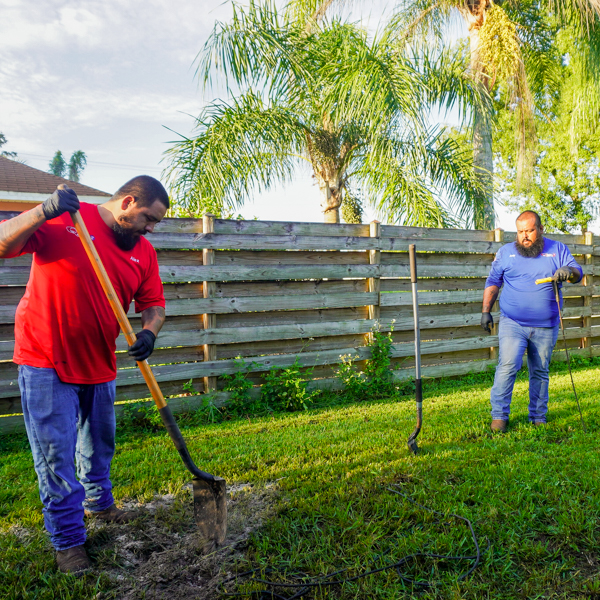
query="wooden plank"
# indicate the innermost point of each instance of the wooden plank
(276, 257)
(264, 273)
(237, 335)
(178, 225)
(288, 288)
(14, 275)
(467, 261)
(259, 319)
(216, 241)
(434, 284)
(426, 233)
(405, 298)
(231, 227)
(17, 261)
(266, 303)
(249, 350)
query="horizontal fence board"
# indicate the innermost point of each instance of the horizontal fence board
(427, 233)
(230, 226)
(260, 273)
(218, 241)
(250, 350)
(286, 288)
(265, 303)
(429, 260)
(291, 317)
(434, 284)
(276, 257)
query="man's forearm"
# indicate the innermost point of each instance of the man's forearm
(575, 275)
(15, 232)
(490, 295)
(153, 319)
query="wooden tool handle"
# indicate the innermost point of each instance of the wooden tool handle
(115, 304)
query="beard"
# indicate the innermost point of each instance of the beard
(126, 239)
(532, 251)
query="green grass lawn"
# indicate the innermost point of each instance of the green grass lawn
(531, 494)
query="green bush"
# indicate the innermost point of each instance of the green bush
(285, 389)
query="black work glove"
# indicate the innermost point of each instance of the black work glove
(61, 201)
(487, 321)
(144, 345)
(563, 274)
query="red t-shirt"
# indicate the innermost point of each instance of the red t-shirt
(64, 320)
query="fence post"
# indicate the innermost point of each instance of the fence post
(373, 283)
(208, 291)
(588, 281)
(498, 237)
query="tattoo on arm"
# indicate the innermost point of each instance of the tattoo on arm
(153, 318)
(15, 232)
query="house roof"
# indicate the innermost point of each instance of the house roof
(17, 177)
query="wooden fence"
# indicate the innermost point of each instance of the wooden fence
(275, 292)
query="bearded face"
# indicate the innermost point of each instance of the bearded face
(533, 249)
(125, 235)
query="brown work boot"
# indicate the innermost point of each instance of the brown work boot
(499, 425)
(112, 514)
(74, 560)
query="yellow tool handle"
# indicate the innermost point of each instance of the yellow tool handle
(115, 304)
(545, 280)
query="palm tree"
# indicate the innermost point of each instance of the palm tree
(58, 165)
(328, 96)
(77, 164)
(506, 57)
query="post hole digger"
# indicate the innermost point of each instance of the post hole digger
(210, 507)
(412, 440)
(562, 327)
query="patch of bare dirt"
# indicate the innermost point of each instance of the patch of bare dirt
(159, 556)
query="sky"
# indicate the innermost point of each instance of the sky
(116, 80)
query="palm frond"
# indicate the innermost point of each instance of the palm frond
(237, 149)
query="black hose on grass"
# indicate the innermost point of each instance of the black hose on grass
(305, 583)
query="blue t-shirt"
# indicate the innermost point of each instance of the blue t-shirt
(522, 300)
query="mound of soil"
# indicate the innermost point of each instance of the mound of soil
(159, 555)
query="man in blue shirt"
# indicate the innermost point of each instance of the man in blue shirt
(529, 318)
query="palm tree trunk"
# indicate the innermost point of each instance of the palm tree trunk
(331, 203)
(483, 158)
(483, 162)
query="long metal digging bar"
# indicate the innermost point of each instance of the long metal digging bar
(412, 440)
(562, 327)
(210, 498)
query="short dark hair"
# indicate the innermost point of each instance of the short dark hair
(531, 213)
(145, 189)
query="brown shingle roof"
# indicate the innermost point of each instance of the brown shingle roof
(17, 177)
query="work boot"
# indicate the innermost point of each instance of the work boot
(74, 560)
(112, 514)
(499, 425)
(538, 423)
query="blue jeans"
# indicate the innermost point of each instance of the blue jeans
(514, 339)
(68, 423)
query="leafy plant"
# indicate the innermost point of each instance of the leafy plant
(287, 388)
(377, 379)
(238, 385)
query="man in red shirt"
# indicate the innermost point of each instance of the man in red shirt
(65, 334)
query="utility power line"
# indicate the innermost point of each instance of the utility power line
(95, 162)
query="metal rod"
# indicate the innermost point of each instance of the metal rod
(412, 440)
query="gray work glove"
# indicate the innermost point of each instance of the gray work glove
(487, 322)
(144, 345)
(563, 274)
(61, 201)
